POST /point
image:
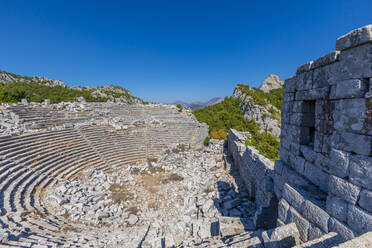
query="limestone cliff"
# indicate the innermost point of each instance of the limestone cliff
(264, 104)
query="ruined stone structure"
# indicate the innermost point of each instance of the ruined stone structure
(117, 175)
(323, 179)
(324, 175)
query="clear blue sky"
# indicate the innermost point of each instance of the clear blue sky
(171, 50)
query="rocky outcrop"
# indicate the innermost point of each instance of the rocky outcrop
(259, 113)
(271, 82)
(6, 77)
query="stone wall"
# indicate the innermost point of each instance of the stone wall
(256, 172)
(324, 176)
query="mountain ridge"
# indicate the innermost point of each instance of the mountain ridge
(14, 87)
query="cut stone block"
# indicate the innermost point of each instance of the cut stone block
(343, 189)
(316, 215)
(337, 207)
(361, 171)
(283, 236)
(230, 226)
(336, 226)
(365, 199)
(354, 38)
(359, 220)
(339, 163)
(349, 88)
(302, 224)
(294, 198)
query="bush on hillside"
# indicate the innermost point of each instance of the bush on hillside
(227, 114)
(37, 92)
(273, 97)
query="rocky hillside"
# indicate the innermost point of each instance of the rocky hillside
(14, 87)
(263, 104)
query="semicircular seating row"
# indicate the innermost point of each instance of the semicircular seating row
(31, 163)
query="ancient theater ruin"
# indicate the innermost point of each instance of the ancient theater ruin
(138, 175)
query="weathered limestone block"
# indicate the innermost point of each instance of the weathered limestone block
(294, 198)
(230, 226)
(297, 119)
(318, 142)
(350, 142)
(289, 175)
(299, 164)
(290, 84)
(363, 241)
(304, 68)
(292, 133)
(287, 108)
(280, 237)
(295, 149)
(336, 226)
(283, 208)
(289, 97)
(343, 189)
(322, 161)
(350, 115)
(284, 154)
(365, 199)
(361, 171)
(309, 153)
(359, 220)
(278, 185)
(326, 60)
(314, 232)
(339, 163)
(316, 215)
(316, 176)
(349, 88)
(305, 81)
(354, 38)
(337, 207)
(313, 94)
(298, 107)
(326, 241)
(302, 224)
(285, 143)
(356, 62)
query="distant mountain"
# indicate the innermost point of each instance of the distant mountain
(199, 104)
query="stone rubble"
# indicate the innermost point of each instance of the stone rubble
(179, 197)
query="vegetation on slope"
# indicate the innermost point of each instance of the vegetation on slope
(25, 87)
(273, 98)
(36, 92)
(227, 114)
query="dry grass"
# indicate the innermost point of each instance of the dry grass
(120, 193)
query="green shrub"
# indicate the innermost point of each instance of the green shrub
(37, 92)
(180, 108)
(273, 97)
(227, 114)
(207, 141)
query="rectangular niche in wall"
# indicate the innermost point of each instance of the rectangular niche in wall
(308, 123)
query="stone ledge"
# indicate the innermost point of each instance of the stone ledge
(355, 38)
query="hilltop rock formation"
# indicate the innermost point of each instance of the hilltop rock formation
(271, 82)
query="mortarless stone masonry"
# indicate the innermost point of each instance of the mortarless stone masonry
(323, 180)
(326, 141)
